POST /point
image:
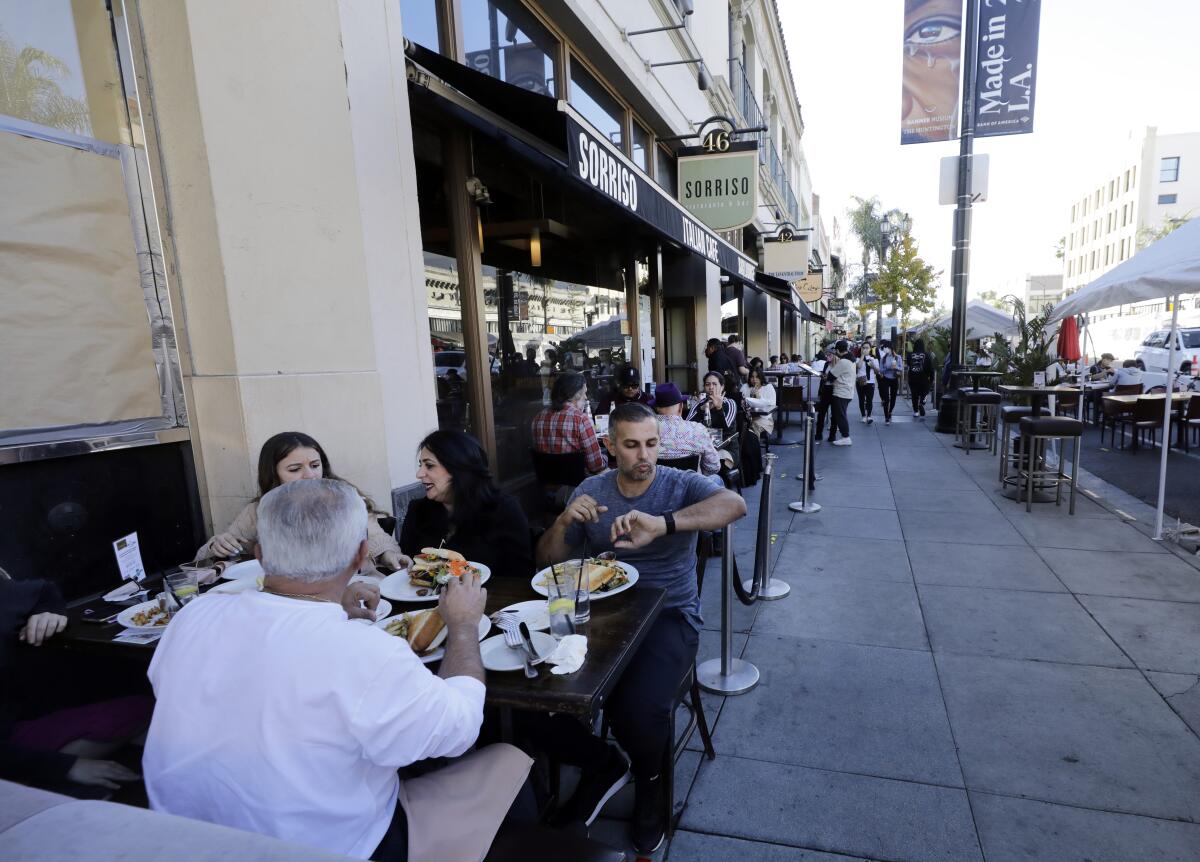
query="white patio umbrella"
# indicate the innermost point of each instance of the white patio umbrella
(983, 320)
(1166, 268)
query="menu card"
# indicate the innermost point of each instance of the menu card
(129, 558)
(1039, 379)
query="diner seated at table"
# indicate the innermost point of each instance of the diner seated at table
(626, 387)
(278, 715)
(1103, 371)
(464, 510)
(64, 748)
(758, 396)
(1128, 374)
(566, 425)
(774, 363)
(678, 438)
(648, 515)
(715, 409)
(284, 458)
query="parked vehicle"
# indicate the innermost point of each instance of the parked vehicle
(1154, 351)
(444, 360)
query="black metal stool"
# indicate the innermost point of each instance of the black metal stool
(1009, 415)
(977, 414)
(1031, 454)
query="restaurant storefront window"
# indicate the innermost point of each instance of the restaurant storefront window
(664, 169)
(640, 146)
(419, 18)
(590, 98)
(504, 40)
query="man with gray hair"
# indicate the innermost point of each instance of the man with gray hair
(276, 714)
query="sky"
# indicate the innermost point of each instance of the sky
(1106, 69)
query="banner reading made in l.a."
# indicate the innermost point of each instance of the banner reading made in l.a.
(932, 54)
(720, 188)
(1006, 66)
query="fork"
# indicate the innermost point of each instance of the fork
(512, 640)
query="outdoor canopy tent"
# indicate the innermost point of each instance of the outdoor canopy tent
(1166, 268)
(983, 320)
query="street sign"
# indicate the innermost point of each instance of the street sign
(836, 303)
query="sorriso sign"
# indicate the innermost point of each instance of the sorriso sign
(719, 184)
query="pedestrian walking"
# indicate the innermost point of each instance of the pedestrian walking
(920, 376)
(821, 364)
(889, 380)
(842, 372)
(867, 373)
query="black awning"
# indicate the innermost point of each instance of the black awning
(781, 289)
(551, 128)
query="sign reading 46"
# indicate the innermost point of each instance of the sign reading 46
(716, 141)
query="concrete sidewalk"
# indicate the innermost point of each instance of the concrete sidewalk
(951, 678)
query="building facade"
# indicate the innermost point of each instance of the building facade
(1155, 180)
(1042, 291)
(286, 223)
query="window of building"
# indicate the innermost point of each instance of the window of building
(1111, 186)
(1070, 268)
(504, 40)
(1127, 181)
(1107, 249)
(1167, 199)
(419, 18)
(1168, 170)
(1124, 214)
(1073, 207)
(640, 145)
(664, 169)
(1133, 176)
(597, 105)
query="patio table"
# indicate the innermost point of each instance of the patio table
(1179, 402)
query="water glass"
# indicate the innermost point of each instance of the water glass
(560, 603)
(572, 573)
(184, 586)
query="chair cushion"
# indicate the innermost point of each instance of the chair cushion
(1012, 414)
(1052, 426)
(982, 396)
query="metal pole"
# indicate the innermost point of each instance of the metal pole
(960, 267)
(804, 507)
(726, 675)
(772, 588)
(1166, 441)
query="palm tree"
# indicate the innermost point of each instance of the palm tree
(29, 89)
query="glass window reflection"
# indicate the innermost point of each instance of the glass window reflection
(641, 146)
(598, 107)
(504, 40)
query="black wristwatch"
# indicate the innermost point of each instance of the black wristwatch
(669, 517)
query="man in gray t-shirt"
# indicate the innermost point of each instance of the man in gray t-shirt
(649, 516)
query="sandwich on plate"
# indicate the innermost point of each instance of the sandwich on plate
(424, 630)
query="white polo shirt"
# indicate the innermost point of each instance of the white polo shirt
(280, 716)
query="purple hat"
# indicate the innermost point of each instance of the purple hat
(668, 395)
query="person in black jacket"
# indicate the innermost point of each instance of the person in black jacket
(55, 751)
(464, 511)
(920, 376)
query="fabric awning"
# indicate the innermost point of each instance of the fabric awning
(547, 129)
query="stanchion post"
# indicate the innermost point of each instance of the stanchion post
(726, 675)
(772, 588)
(803, 506)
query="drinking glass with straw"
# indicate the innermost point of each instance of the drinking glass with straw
(560, 603)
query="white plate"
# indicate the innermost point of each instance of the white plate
(241, 585)
(533, 613)
(125, 618)
(485, 626)
(397, 586)
(248, 569)
(497, 655)
(540, 589)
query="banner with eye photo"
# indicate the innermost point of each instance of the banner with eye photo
(1006, 67)
(932, 57)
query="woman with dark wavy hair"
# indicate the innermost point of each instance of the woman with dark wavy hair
(285, 458)
(463, 510)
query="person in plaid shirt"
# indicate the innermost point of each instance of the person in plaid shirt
(566, 425)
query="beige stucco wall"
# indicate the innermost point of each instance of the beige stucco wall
(290, 188)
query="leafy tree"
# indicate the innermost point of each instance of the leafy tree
(994, 300)
(1060, 248)
(907, 282)
(1148, 235)
(29, 89)
(865, 223)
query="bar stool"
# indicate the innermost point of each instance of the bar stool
(1009, 465)
(977, 415)
(1035, 431)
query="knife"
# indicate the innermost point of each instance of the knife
(530, 655)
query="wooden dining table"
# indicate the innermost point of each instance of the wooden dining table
(1036, 394)
(1179, 402)
(618, 626)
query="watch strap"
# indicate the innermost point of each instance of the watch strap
(669, 517)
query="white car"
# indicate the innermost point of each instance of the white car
(444, 360)
(1155, 350)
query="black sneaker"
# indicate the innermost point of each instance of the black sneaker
(648, 827)
(595, 790)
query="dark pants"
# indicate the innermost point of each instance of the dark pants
(639, 709)
(866, 398)
(839, 423)
(889, 388)
(919, 387)
(824, 402)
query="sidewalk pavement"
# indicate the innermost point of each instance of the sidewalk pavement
(951, 678)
